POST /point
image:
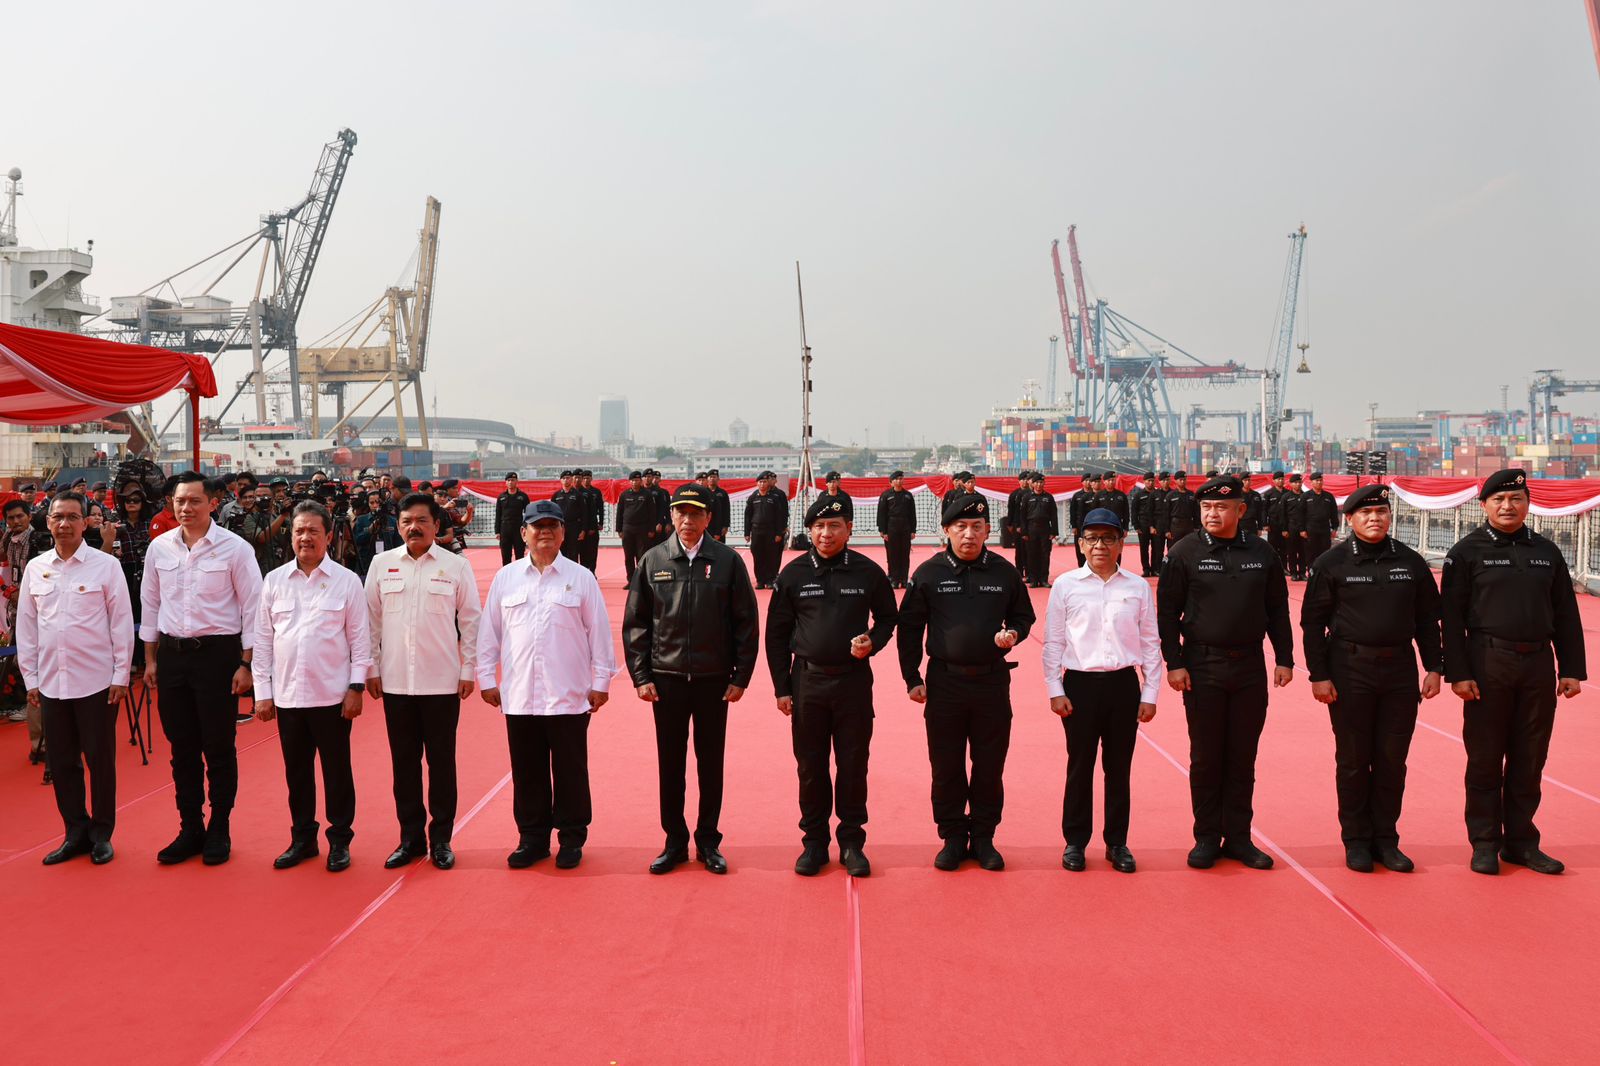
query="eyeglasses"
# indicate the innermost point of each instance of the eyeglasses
(1091, 541)
(66, 518)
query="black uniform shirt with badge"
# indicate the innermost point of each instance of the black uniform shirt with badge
(1378, 595)
(961, 606)
(1225, 593)
(819, 606)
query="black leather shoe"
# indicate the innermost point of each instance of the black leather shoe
(950, 856)
(218, 844)
(188, 844)
(1485, 859)
(1358, 857)
(712, 859)
(855, 862)
(101, 853)
(69, 849)
(527, 854)
(1533, 859)
(1204, 854)
(297, 852)
(983, 850)
(669, 859)
(1121, 859)
(1072, 859)
(443, 857)
(811, 860)
(402, 856)
(1394, 859)
(568, 856)
(1246, 852)
(338, 857)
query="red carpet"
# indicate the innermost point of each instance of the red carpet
(602, 964)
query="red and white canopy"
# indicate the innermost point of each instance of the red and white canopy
(53, 378)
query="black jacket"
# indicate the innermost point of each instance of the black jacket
(636, 511)
(960, 606)
(508, 508)
(1322, 512)
(1374, 594)
(688, 619)
(721, 511)
(766, 512)
(897, 512)
(1039, 515)
(819, 605)
(1512, 587)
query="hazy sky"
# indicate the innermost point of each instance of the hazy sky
(626, 188)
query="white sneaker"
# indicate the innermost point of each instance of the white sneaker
(18, 715)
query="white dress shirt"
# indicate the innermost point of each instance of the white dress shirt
(423, 617)
(210, 589)
(311, 636)
(550, 635)
(74, 624)
(1094, 625)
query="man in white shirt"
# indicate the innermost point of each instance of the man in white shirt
(310, 666)
(198, 603)
(1100, 623)
(422, 604)
(74, 646)
(546, 629)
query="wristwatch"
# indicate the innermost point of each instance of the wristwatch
(358, 688)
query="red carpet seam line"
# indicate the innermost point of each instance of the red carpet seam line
(1416, 968)
(1547, 778)
(310, 964)
(123, 806)
(856, 1006)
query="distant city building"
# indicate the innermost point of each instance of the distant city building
(738, 432)
(613, 420)
(748, 462)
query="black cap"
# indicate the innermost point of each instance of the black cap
(1368, 496)
(832, 475)
(1103, 516)
(1164, 473)
(713, 472)
(1037, 478)
(449, 483)
(98, 486)
(1294, 477)
(1277, 473)
(1316, 475)
(509, 476)
(965, 475)
(830, 507)
(565, 473)
(542, 509)
(1148, 474)
(896, 473)
(765, 473)
(635, 474)
(1180, 473)
(967, 505)
(1221, 488)
(691, 495)
(1112, 474)
(1504, 481)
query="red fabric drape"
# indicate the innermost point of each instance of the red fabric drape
(53, 378)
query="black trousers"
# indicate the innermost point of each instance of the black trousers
(1373, 720)
(766, 552)
(589, 550)
(550, 777)
(1144, 551)
(1020, 556)
(832, 711)
(1507, 734)
(1077, 547)
(1317, 541)
(897, 547)
(1280, 546)
(967, 714)
(1226, 706)
(1039, 545)
(1104, 722)
(511, 547)
(83, 732)
(570, 545)
(194, 696)
(635, 542)
(683, 702)
(1158, 551)
(418, 727)
(1295, 550)
(309, 735)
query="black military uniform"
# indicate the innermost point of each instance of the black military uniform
(962, 606)
(508, 508)
(1156, 517)
(1039, 528)
(766, 525)
(1013, 522)
(819, 605)
(1215, 602)
(1139, 517)
(636, 522)
(1365, 605)
(1079, 504)
(575, 505)
(589, 554)
(1293, 507)
(1181, 512)
(1255, 510)
(721, 509)
(1322, 520)
(1272, 517)
(897, 522)
(1511, 624)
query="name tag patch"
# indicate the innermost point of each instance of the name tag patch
(1358, 579)
(1538, 562)
(991, 588)
(1210, 566)
(852, 592)
(804, 593)
(662, 575)
(1251, 566)
(1497, 562)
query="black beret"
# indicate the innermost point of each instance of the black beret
(765, 473)
(1149, 473)
(1294, 477)
(1180, 473)
(449, 483)
(510, 476)
(965, 475)
(1368, 496)
(1038, 478)
(826, 506)
(634, 474)
(967, 505)
(1112, 474)
(1504, 481)
(1164, 473)
(713, 472)
(1213, 473)
(1221, 488)
(98, 486)
(1316, 475)
(833, 475)
(564, 473)
(896, 473)
(1277, 473)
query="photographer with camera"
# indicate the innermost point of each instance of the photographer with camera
(374, 532)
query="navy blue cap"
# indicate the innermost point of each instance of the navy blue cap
(1102, 516)
(539, 510)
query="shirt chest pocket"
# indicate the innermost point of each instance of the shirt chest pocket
(392, 591)
(565, 609)
(440, 597)
(1122, 608)
(46, 598)
(211, 579)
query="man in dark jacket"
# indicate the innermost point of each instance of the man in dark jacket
(636, 521)
(897, 524)
(508, 508)
(689, 634)
(766, 524)
(721, 507)
(1013, 521)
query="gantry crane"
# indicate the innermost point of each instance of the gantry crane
(1546, 386)
(405, 316)
(1275, 382)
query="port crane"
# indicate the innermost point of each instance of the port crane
(1543, 391)
(1275, 381)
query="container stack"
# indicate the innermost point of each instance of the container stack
(1052, 442)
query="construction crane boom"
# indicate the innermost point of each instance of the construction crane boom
(1066, 309)
(1275, 386)
(422, 303)
(1083, 302)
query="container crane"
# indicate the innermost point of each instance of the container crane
(1547, 385)
(1274, 382)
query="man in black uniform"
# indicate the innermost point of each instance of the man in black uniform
(636, 521)
(960, 484)
(1156, 518)
(1080, 504)
(818, 644)
(1272, 517)
(721, 507)
(508, 508)
(897, 524)
(689, 637)
(1293, 504)
(766, 524)
(1139, 517)
(1255, 507)
(1507, 598)
(1112, 498)
(1039, 529)
(663, 499)
(1322, 520)
(589, 553)
(1219, 595)
(1012, 537)
(1181, 511)
(575, 506)
(1369, 598)
(975, 608)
